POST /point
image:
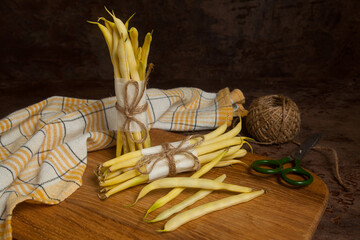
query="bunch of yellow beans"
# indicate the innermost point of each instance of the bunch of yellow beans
(218, 149)
(129, 61)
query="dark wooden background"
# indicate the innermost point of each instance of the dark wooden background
(306, 49)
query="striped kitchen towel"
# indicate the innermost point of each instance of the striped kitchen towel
(43, 147)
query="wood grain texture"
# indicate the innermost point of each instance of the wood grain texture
(307, 50)
(282, 213)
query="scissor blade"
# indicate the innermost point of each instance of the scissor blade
(306, 146)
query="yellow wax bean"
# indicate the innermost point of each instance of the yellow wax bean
(137, 58)
(130, 183)
(137, 136)
(119, 143)
(123, 62)
(206, 208)
(121, 178)
(110, 26)
(187, 202)
(203, 149)
(133, 32)
(187, 182)
(231, 162)
(125, 164)
(141, 68)
(207, 167)
(230, 134)
(218, 131)
(124, 143)
(208, 157)
(130, 142)
(145, 53)
(176, 191)
(114, 54)
(122, 158)
(147, 142)
(240, 153)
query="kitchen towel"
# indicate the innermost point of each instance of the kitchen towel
(43, 147)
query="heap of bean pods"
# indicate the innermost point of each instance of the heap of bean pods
(218, 149)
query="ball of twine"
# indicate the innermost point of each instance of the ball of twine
(273, 119)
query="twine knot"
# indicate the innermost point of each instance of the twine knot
(127, 112)
(168, 152)
(131, 109)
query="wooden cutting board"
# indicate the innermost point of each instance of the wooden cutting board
(282, 213)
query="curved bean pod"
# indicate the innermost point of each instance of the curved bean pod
(122, 158)
(230, 134)
(121, 178)
(187, 182)
(231, 162)
(217, 132)
(238, 154)
(204, 149)
(210, 156)
(206, 208)
(187, 202)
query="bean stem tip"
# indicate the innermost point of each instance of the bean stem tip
(130, 205)
(102, 196)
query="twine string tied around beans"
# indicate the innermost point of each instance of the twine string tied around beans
(168, 152)
(131, 109)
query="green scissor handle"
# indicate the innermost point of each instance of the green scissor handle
(276, 166)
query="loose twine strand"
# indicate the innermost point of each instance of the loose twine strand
(130, 110)
(336, 160)
(168, 152)
(275, 119)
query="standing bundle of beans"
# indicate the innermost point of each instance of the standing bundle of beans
(131, 73)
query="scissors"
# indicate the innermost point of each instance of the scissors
(276, 166)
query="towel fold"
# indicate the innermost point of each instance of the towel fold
(43, 147)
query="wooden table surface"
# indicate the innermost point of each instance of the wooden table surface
(282, 213)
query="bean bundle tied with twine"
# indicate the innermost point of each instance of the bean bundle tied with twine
(168, 153)
(130, 64)
(275, 119)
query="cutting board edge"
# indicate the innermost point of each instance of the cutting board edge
(321, 213)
